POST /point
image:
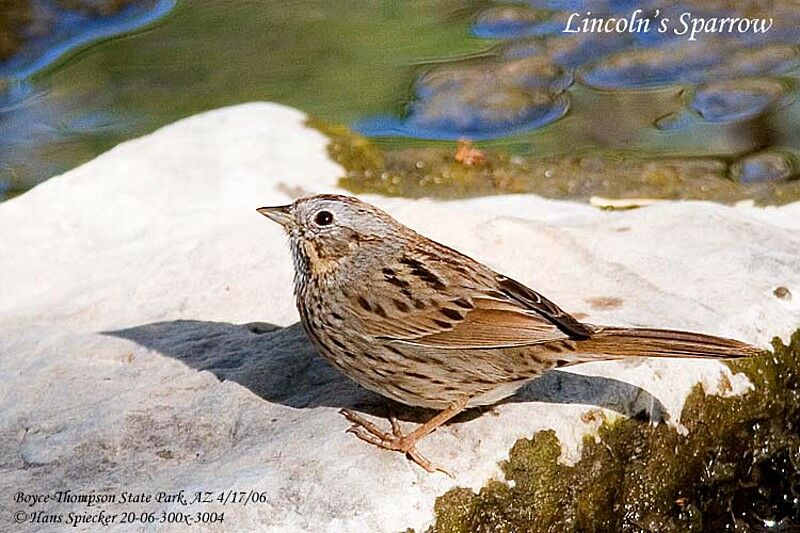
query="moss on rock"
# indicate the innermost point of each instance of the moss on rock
(355, 153)
(435, 171)
(737, 469)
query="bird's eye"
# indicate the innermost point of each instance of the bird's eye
(323, 218)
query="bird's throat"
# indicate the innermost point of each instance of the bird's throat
(320, 260)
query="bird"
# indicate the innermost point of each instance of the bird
(423, 324)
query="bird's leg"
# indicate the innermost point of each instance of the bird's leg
(396, 441)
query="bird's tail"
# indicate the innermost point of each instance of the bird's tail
(617, 343)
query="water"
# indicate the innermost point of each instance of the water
(666, 88)
(408, 71)
(337, 60)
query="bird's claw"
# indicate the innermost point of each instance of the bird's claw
(372, 434)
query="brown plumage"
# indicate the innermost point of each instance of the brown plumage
(425, 325)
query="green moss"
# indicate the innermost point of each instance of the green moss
(434, 171)
(738, 469)
(355, 153)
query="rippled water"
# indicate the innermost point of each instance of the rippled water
(696, 94)
(408, 71)
(338, 60)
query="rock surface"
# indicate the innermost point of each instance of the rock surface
(148, 336)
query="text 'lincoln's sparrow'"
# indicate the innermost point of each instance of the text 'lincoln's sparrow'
(420, 323)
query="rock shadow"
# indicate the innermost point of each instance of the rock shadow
(280, 365)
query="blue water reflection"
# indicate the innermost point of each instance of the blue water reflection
(406, 72)
(73, 29)
(664, 56)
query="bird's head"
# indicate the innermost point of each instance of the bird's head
(325, 231)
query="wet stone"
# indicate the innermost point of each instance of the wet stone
(535, 72)
(484, 108)
(657, 67)
(673, 121)
(16, 16)
(764, 167)
(576, 50)
(772, 60)
(736, 100)
(519, 48)
(481, 100)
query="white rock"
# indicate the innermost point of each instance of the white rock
(124, 281)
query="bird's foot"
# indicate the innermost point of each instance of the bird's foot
(395, 441)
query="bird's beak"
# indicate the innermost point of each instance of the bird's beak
(280, 214)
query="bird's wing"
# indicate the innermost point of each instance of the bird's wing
(490, 324)
(532, 300)
(502, 313)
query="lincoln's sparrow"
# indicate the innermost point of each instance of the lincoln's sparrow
(422, 324)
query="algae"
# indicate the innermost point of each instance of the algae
(737, 469)
(352, 151)
(436, 171)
